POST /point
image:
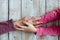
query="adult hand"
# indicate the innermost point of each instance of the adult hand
(28, 28)
(19, 23)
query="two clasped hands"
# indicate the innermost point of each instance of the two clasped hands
(34, 25)
(27, 24)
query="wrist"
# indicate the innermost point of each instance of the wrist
(14, 23)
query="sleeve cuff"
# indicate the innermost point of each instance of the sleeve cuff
(40, 31)
(11, 25)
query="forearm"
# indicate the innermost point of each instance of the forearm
(6, 27)
(50, 16)
(52, 30)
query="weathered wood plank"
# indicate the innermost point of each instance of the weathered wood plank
(4, 16)
(15, 14)
(40, 6)
(3, 10)
(32, 8)
(50, 5)
(27, 10)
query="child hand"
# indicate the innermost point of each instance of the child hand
(38, 22)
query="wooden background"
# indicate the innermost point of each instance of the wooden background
(16, 9)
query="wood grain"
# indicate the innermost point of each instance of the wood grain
(51, 5)
(4, 16)
(16, 9)
(28, 11)
(15, 14)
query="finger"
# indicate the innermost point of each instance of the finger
(18, 28)
(36, 23)
(23, 27)
(39, 22)
(37, 26)
(27, 23)
(18, 25)
(33, 18)
(37, 18)
(22, 19)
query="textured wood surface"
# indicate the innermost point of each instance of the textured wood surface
(4, 16)
(16, 9)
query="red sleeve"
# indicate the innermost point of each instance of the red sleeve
(52, 30)
(50, 16)
(6, 26)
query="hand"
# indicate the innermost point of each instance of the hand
(28, 28)
(38, 22)
(31, 20)
(19, 23)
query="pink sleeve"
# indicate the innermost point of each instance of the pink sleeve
(53, 31)
(50, 16)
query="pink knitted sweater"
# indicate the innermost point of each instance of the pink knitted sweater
(49, 17)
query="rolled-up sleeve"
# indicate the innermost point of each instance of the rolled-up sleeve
(52, 31)
(6, 26)
(50, 16)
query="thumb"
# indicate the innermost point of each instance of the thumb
(27, 23)
(17, 28)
